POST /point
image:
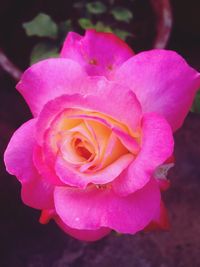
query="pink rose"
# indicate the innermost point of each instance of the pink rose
(94, 157)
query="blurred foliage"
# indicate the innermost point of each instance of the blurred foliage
(115, 14)
(85, 23)
(43, 50)
(42, 26)
(122, 14)
(102, 16)
(99, 26)
(96, 7)
(196, 103)
(123, 34)
(64, 27)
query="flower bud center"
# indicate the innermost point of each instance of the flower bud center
(83, 149)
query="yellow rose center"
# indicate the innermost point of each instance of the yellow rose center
(88, 140)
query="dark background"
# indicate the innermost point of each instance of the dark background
(26, 243)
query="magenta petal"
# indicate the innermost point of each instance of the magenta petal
(84, 235)
(43, 169)
(156, 146)
(18, 154)
(37, 193)
(124, 106)
(48, 79)
(160, 219)
(93, 208)
(163, 82)
(18, 160)
(99, 53)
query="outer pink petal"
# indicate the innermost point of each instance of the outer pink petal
(43, 168)
(84, 235)
(156, 146)
(48, 79)
(93, 208)
(160, 220)
(163, 82)
(163, 184)
(99, 53)
(18, 154)
(36, 192)
(124, 106)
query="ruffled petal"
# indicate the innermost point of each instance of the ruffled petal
(119, 130)
(83, 235)
(44, 169)
(18, 154)
(163, 82)
(160, 220)
(99, 53)
(93, 208)
(48, 79)
(156, 146)
(36, 192)
(124, 106)
(73, 177)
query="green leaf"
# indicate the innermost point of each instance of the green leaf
(196, 103)
(123, 34)
(122, 14)
(96, 7)
(101, 27)
(42, 25)
(65, 27)
(42, 51)
(85, 23)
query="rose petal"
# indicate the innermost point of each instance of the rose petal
(18, 154)
(99, 53)
(124, 106)
(36, 192)
(160, 220)
(126, 139)
(93, 208)
(113, 150)
(73, 177)
(163, 82)
(84, 235)
(163, 184)
(43, 168)
(156, 146)
(48, 79)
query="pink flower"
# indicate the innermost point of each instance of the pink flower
(94, 157)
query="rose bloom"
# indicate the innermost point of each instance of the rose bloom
(95, 156)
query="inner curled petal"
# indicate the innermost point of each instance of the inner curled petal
(89, 147)
(101, 132)
(84, 149)
(84, 145)
(76, 148)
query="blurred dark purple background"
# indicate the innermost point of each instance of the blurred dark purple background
(26, 243)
